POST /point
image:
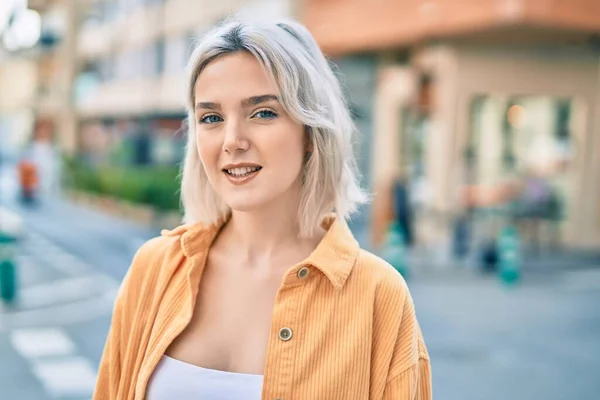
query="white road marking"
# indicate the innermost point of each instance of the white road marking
(84, 294)
(32, 343)
(67, 376)
(63, 314)
(27, 270)
(65, 290)
(61, 260)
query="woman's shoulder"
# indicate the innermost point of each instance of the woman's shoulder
(153, 256)
(160, 245)
(377, 276)
(379, 270)
(155, 261)
(392, 302)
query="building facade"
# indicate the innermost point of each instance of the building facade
(477, 100)
(132, 56)
(34, 101)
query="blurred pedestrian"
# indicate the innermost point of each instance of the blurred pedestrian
(44, 154)
(403, 208)
(28, 180)
(264, 293)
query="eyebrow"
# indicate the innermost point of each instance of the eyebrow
(256, 100)
(249, 102)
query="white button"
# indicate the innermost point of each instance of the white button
(285, 334)
(303, 272)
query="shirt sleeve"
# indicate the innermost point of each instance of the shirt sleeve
(109, 370)
(409, 376)
(413, 384)
(112, 369)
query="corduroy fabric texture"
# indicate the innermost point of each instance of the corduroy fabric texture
(354, 330)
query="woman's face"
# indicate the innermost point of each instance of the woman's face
(251, 150)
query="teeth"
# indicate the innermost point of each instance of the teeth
(242, 171)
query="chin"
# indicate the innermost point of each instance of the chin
(246, 203)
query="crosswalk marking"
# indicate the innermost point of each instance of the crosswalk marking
(61, 289)
(82, 310)
(31, 343)
(82, 293)
(64, 291)
(54, 361)
(66, 377)
(62, 261)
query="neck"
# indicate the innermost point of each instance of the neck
(267, 237)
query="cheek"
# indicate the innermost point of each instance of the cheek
(289, 155)
(208, 150)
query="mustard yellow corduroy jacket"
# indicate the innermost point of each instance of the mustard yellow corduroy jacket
(354, 334)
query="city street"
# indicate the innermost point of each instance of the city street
(70, 264)
(538, 340)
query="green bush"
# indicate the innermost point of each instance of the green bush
(157, 186)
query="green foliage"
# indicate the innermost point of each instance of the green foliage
(155, 185)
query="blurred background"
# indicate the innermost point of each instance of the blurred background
(480, 139)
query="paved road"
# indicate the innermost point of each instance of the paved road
(71, 262)
(540, 340)
(537, 341)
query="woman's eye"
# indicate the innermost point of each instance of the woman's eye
(210, 119)
(265, 114)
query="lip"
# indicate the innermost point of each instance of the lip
(239, 165)
(241, 180)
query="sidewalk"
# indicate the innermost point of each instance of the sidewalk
(537, 340)
(426, 262)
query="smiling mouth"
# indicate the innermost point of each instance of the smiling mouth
(241, 172)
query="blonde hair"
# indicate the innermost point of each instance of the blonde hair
(310, 92)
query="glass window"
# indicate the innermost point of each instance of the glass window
(175, 54)
(159, 54)
(524, 139)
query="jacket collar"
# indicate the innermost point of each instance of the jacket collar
(334, 256)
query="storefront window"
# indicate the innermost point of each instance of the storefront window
(413, 135)
(522, 144)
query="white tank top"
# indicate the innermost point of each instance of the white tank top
(174, 379)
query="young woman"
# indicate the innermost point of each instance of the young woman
(264, 293)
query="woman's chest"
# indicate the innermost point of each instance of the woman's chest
(308, 340)
(230, 323)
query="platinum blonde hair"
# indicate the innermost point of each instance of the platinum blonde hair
(310, 92)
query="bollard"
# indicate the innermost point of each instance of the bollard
(509, 256)
(11, 229)
(394, 250)
(8, 273)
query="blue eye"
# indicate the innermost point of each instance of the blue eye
(265, 114)
(210, 119)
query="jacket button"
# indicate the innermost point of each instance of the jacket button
(303, 272)
(285, 334)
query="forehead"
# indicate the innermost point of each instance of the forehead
(238, 74)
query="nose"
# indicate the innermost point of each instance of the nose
(234, 139)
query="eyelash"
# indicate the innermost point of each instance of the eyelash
(273, 113)
(203, 120)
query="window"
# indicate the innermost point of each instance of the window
(524, 138)
(175, 54)
(159, 54)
